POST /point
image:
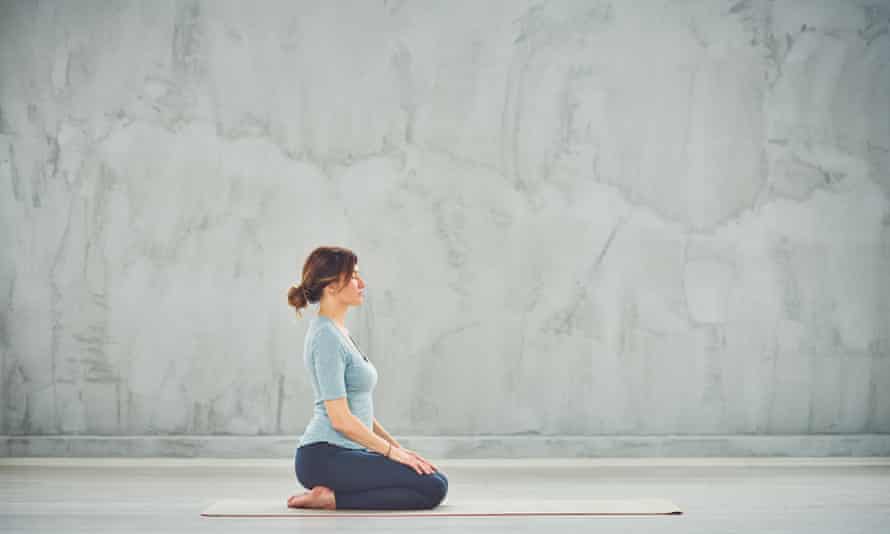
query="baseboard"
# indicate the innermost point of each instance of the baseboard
(803, 445)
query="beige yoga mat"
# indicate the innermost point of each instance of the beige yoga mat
(502, 507)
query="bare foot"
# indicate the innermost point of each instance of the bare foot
(318, 497)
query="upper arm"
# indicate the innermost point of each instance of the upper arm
(330, 371)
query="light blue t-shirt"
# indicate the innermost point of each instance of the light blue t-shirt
(336, 369)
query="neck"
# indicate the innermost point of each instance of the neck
(334, 312)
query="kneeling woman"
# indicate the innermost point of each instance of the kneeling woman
(345, 457)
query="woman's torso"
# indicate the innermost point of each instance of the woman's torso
(323, 339)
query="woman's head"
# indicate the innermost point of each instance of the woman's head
(330, 276)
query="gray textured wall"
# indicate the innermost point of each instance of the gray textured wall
(574, 218)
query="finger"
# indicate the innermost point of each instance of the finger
(429, 464)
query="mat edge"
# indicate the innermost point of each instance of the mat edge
(521, 514)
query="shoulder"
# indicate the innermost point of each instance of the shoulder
(323, 339)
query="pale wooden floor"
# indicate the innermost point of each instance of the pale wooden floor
(717, 495)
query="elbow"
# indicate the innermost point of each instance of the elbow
(341, 426)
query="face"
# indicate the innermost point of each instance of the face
(352, 293)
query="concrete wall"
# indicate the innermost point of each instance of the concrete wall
(579, 218)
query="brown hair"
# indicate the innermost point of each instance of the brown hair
(324, 265)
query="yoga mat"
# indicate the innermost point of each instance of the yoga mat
(502, 507)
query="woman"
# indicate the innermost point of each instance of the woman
(345, 456)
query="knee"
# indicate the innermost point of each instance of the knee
(439, 488)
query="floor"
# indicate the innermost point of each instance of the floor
(845, 495)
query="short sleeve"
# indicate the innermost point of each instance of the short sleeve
(330, 365)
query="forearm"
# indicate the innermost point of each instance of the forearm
(380, 431)
(355, 430)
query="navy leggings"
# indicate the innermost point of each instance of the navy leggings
(367, 480)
